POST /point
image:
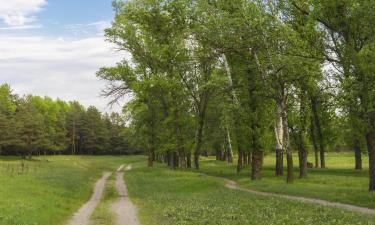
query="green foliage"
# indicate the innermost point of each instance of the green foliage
(34, 125)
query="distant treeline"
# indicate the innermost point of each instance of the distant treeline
(40, 125)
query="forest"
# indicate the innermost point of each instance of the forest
(247, 78)
(33, 125)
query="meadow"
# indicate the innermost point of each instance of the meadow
(48, 190)
(338, 182)
(193, 198)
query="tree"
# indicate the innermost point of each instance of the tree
(95, 133)
(7, 110)
(349, 41)
(30, 127)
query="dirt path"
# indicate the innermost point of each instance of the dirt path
(233, 185)
(125, 210)
(82, 216)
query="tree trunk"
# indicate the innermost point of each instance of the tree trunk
(302, 149)
(279, 135)
(229, 152)
(240, 159)
(182, 158)
(199, 132)
(179, 158)
(218, 155)
(370, 139)
(289, 153)
(256, 165)
(175, 159)
(244, 158)
(313, 139)
(314, 105)
(302, 155)
(188, 160)
(257, 156)
(358, 154)
(196, 160)
(151, 158)
(170, 159)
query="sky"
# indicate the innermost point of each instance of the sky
(54, 48)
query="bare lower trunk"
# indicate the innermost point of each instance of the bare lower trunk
(279, 162)
(256, 165)
(302, 155)
(188, 160)
(198, 147)
(179, 155)
(302, 149)
(229, 149)
(358, 155)
(170, 159)
(290, 176)
(370, 139)
(279, 135)
(313, 139)
(175, 160)
(182, 158)
(244, 158)
(240, 160)
(322, 157)
(198, 138)
(151, 158)
(218, 155)
(314, 105)
(289, 154)
(257, 154)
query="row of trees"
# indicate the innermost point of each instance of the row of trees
(245, 76)
(35, 125)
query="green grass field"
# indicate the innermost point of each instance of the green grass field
(168, 197)
(48, 190)
(339, 182)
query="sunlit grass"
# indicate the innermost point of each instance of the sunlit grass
(49, 189)
(166, 197)
(338, 182)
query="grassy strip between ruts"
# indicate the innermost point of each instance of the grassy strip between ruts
(48, 190)
(339, 182)
(166, 197)
(103, 214)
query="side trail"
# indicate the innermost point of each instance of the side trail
(233, 185)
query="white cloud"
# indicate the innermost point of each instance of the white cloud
(23, 27)
(56, 67)
(87, 29)
(19, 12)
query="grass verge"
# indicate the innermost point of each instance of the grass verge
(166, 197)
(339, 182)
